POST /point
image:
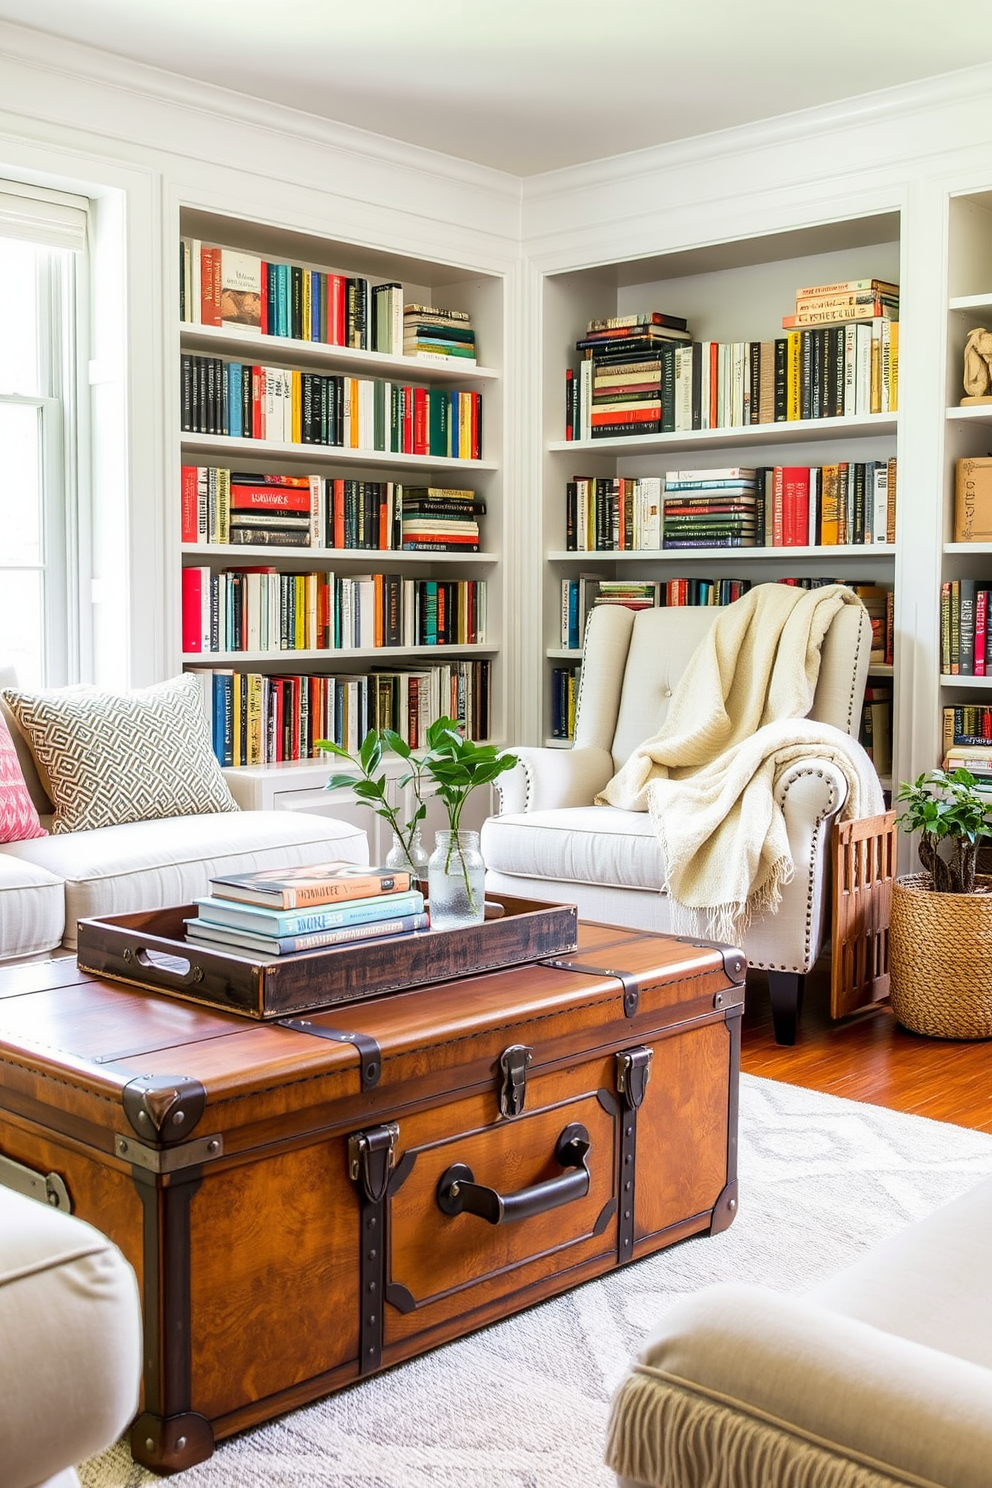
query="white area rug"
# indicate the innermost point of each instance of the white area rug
(524, 1404)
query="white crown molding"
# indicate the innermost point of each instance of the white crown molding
(905, 101)
(75, 62)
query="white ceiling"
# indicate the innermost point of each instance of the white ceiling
(531, 85)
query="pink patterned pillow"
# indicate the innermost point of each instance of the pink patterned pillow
(18, 818)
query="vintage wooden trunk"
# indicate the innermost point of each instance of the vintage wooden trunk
(309, 1200)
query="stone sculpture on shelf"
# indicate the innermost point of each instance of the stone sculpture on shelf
(978, 366)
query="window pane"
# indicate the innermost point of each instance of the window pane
(20, 490)
(22, 644)
(19, 318)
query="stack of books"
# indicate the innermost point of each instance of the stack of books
(711, 509)
(634, 594)
(437, 520)
(840, 304)
(628, 364)
(434, 335)
(278, 911)
(846, 339)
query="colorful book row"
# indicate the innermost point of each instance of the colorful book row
(578, 597)
(258, 719)
(227, 287)
(220, 506)
(851, 503)
(839, 371)
(968, 723)
(260, 609)
(965, 631)
(284, 406)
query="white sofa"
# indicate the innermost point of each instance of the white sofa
(879, 1377)
(49, 883)
(70, 1343)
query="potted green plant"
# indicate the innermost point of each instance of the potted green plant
(940, 930)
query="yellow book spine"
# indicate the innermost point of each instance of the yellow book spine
(296, 396)
(464, 426)
(353, 429)
(793, 376)
(876, 367)
(894, 366)
(255, 751)
(236, 720)
(300, 612)
(307, 306)
(830, 509)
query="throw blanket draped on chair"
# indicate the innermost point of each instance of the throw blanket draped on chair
(736, 722)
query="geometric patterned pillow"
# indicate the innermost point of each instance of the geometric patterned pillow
(18, 815)
(108, 758)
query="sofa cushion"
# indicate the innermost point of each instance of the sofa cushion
(110, 758)
(152, 865)
(32, 905)
(580, 844)
(18, 813)
(911, 1283)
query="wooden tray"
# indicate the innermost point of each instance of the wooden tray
(150, 950)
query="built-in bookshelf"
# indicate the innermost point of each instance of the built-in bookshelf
(966, 567)
(342, 626)
(735, 292)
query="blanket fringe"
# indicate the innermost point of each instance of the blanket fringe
(728, 922)
(665, 1437)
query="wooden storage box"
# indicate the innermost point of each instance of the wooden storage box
(150, 949)
(305, 1201)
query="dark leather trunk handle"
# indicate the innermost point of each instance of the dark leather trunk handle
(458, 1193)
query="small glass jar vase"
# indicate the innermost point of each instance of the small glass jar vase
(412, 861)
(456, 876)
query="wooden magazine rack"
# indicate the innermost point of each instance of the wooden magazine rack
(864, 858)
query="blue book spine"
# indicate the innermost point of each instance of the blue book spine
(219, 936)
(234, 425)
(573, 615)
(282, 301)
(280, 923)
(272, 298)
(317, 282)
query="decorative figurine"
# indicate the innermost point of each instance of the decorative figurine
(978, 366)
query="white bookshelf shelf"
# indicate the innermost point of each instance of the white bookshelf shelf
(429, 655)
(979, 413)
(984, 684)
(876, 552)
(739, 436)
(371, 558)
(971, 302)
(269, 350)
(322, 455)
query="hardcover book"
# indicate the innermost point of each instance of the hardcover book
(314, 883)
(208, 934)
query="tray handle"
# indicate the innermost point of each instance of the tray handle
(458, 1193)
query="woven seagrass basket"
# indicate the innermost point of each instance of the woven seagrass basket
(940, 959)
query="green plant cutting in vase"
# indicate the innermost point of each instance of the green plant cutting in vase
(453, 767)
(458, 766)
(373, 788)
(948, 811)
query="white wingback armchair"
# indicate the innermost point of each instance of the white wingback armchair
(550, 841)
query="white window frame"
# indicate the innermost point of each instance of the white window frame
(58, 220)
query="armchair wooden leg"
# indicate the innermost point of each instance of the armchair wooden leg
(786, 991)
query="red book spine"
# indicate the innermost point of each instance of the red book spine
(295, 685)
(795, 503)
(420, 421)
(188, 492)
(476, 411)
(337, 513)
(257, 383)
(210, 286)
(285, 498)
(778, 515)
(384, 533)
(192, 594)
(336, 309)
(407, 397)
(981, 626)
(569, 408)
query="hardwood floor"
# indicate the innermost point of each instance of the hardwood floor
(869, 1057)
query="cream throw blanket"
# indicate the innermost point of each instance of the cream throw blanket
(736, 722)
